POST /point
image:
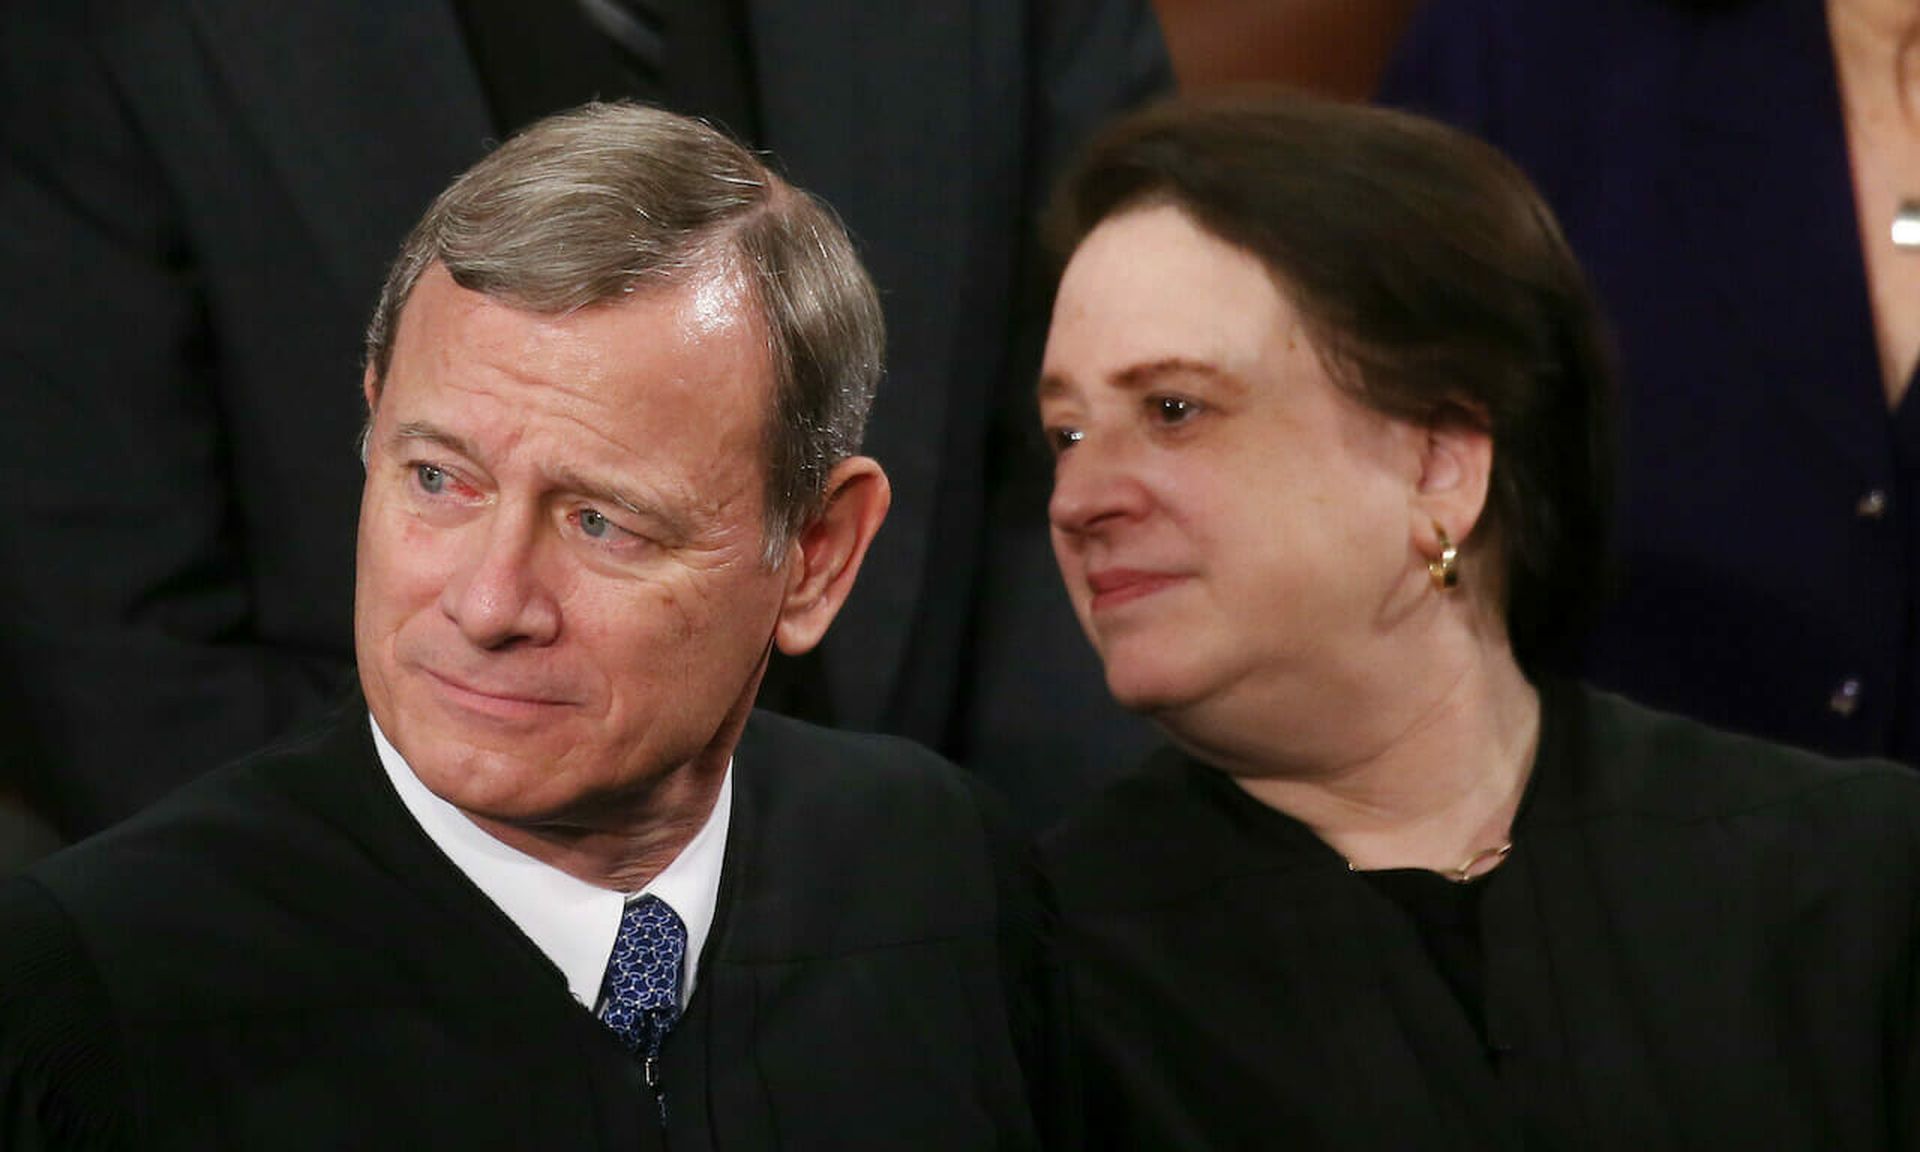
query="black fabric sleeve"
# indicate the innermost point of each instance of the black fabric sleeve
(1903, 1027)
(63, 1077)
(1031, 973)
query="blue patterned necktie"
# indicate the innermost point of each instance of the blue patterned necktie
(640, 998)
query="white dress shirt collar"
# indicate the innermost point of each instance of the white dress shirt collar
(573, 922)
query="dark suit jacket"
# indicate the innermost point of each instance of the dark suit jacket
(277, 957)
(1697, 158)
(198, 201)
(1700, 941)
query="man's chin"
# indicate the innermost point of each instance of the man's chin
(488, 773)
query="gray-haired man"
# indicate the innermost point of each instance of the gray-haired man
(550, 884)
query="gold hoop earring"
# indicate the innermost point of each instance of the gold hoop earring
(1445, 571)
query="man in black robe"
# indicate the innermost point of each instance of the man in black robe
(198, 200)
(547, 881)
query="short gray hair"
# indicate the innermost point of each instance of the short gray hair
(591, 205)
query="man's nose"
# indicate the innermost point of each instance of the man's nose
(1096, 484)
(499, 598)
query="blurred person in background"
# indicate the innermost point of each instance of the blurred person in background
(1331, 47)
(1734, 174)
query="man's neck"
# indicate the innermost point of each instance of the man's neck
(622, 848)
(624, 841)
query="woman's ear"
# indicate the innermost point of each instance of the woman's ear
(826, 557)
(1456, 473)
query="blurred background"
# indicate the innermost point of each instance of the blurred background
(1335, 47)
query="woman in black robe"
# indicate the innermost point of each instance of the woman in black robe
(1331, 411)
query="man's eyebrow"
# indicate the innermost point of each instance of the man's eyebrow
(432, 434)
(603, 490)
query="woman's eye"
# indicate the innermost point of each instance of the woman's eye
(432, 480)
(1062, 439)
(1173, 409)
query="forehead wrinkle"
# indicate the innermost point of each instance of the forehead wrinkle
(608, 472)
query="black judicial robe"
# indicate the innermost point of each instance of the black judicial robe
(1699, 941)
(278, 958)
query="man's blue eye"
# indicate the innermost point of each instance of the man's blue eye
(432, 480)
(593, 523)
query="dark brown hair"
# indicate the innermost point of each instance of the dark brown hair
(1434, 282)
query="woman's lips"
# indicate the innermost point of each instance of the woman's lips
(1112, 587)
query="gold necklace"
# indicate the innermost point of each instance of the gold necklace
(1470, 868)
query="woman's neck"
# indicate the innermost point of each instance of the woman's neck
(1431, 774)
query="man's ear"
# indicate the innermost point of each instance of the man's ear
(369, 391)
(1456, 473)
(827, 556)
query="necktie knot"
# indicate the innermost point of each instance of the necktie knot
(640, 998)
